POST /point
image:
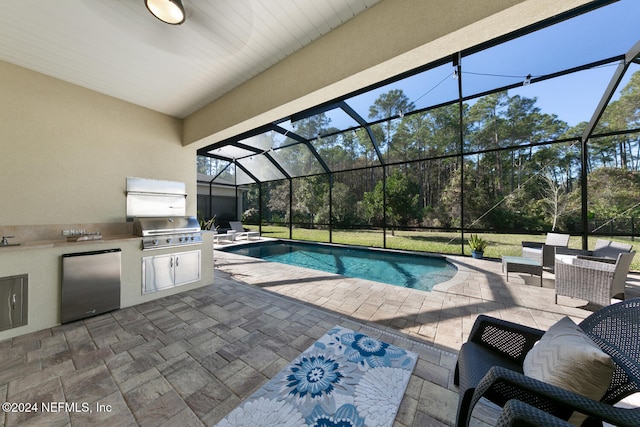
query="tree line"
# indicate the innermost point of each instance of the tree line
(507, 166)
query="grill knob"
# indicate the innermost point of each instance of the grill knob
(155, 242)
(182, 239)
(169, 240)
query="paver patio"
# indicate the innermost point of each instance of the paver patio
(191, 358)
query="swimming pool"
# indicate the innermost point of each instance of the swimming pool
(414, 271)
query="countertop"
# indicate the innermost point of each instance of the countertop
(44, 244)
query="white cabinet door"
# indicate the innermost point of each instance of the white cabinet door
(166, 271)
(187, 267)
(157, 273)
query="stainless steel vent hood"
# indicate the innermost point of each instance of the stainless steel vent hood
(155, 198)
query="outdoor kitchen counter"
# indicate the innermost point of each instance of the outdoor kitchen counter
(41, 261)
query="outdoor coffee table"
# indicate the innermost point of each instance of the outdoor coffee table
(518, 264)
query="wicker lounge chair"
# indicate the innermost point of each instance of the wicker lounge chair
(609, 249)
(490, 365)
(603, 249)
(517, 413)
(591, 278)
(544, 252)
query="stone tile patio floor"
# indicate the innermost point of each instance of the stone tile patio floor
(190, 358)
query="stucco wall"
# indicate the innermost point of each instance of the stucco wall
(65, 151)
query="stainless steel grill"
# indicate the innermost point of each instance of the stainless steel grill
(167, 232)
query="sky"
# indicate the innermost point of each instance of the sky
(601, 34)
(573, 98)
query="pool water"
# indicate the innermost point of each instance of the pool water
(421, 272)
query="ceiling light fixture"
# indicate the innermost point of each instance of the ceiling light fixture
(169, 11)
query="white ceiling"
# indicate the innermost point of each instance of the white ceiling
(118, 48)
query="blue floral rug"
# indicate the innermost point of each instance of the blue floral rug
(345, 379)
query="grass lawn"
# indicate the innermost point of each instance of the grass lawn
(427, 241)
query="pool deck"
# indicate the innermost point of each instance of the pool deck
(191, 358)
(441, 318)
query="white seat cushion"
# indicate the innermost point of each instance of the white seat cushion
(566, 357)
(567, 259)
